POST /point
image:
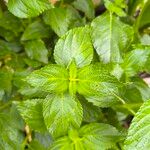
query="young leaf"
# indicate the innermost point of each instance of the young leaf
(36, 30)
(51, 78)
(97, 85)
(36, 50)
(139, 131)
(74, 45)
(111, 37)
(61, 19)
(31, 112)
(62, 112)
(72, 78)
(90, 137)
(25, 9)
(85, 6)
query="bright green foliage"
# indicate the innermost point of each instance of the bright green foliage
(73, 78)
(31, 111)
(36, 50)
(73, 74)
(110, 37)
(51, 78)
(25, 9)
(97, 85)
(139, 131)
(74, 45)
(89, 137)
(61, 113)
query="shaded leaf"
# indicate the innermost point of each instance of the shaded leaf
(36, 30)
(31, 112)
(37, 50)
(85, 6)
(61, 19)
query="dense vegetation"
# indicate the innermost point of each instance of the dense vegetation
(73, 74)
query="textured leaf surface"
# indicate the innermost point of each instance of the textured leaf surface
(90, 137)
(61, 112)
(51, 78)
(74, 45)
(97, 85)
(111, 37)
(25, 9)
(31, 111)
(139, 131)
(36, 50)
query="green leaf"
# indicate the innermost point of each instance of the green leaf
(37, 50)
(5, 80)
(74, 45)
(116, 7)
(134, 61)
(31, 112)
(51, 78)
(143, 18)
(90, 137)
(61, 19)
(85, 6)
(139, 131)
(111, 37)
(11, 136)
(61, 112)
(72, 78)
(36, 145)
(91, 113)
(97, 85)
(10, 22)
(36, 30)
(25, 9)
